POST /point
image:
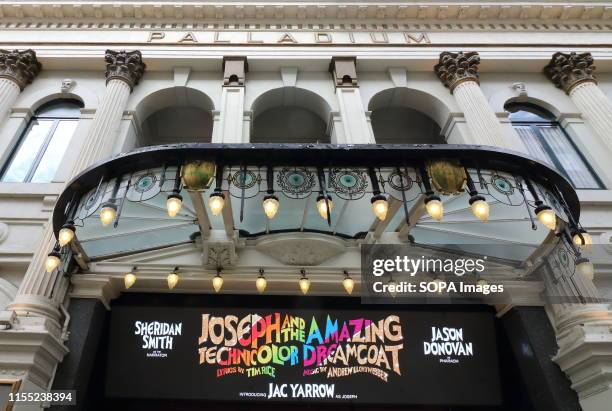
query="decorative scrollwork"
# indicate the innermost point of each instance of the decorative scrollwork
(502, 185)
(296, 182)
(348, 183)
(503, 188)
(244, 179)
(145, 183)
(398, 179)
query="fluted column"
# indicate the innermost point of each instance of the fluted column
(41, 293)
(459, 72)
(574, 74)
(17, 70)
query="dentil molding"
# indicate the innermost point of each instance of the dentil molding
(388, 10)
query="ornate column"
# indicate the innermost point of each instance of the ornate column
(17, 70)
(41, 293)
(357, 129)
(231, 113)
(583, 332)
(573, 73)
(459, 72)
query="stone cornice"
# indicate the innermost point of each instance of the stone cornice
(355, 10)
(252, 25)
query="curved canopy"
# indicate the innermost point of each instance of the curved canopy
(139, 182)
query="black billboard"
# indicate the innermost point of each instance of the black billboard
(391, 356)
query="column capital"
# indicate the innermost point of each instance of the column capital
(124, 65)
(456, 68)
(18, 66)
(344, 71)
(567, 70)
(234, 71)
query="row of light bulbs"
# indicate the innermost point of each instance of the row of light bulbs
(324, 204)
(261, 283)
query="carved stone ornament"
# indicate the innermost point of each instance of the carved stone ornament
(455, 68)
(124, 65)
(234, 71)
(344, 71)
(567, 70)
(300, 249)
(19, 66)
(67, 85)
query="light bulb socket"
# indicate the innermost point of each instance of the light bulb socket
(217, 193)
(431, 197)
(378, 197)
(582, 260)
(582, 234)
(322, 197)
(270, 197)
(54, 253)
(475, 198)
(69, 225)
(541, 207)
(109, 204)
(175, 195)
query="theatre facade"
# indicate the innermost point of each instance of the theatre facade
(262, 204)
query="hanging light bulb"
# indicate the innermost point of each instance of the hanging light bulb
(480, 207)
(173, 279)
(174, 203)
(440, 284)
(434, 207)
(348, 283)
(270, 205)
(481, 282)
(130, 278)
(66, 233)
(217, 281)
(546, 216)
(322, 205)
(108, 213)
(261, 283)
(304, 283)
(53, 260)
(392, 287)
(216, 202)
(380, 206)
(582, 239)
(585, 268)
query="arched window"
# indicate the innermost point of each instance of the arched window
(546, 140)
(43, 144)
(406, 116)
(290, 115)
